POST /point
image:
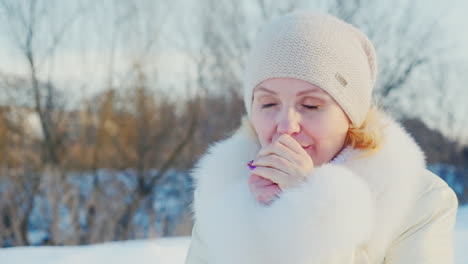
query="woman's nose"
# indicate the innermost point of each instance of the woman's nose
(288, 122)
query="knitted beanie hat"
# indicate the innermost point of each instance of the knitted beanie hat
(321, 50)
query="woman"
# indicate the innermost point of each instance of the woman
(331, 179)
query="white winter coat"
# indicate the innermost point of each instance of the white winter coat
(382, 208)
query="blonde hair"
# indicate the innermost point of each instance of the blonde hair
(369, 135)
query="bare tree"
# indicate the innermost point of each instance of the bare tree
(147, 139)
(37, 33)
(28, 19)
(406, 41)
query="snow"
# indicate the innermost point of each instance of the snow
(165, 250)
(161, 251)
(461, 236)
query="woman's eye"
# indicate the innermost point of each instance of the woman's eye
(313, 107)
(267, 105)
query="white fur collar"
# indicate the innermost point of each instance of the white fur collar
(351, 202)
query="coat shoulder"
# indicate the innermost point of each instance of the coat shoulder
(426, 234)
(435, 202)
(434, 196)
(431, 185)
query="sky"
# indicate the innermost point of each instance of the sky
(81, 64)
(73, 64)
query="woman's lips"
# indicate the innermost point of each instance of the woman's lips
(306, 147)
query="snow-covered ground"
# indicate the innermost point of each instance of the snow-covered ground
(461, 236)
(160, 251)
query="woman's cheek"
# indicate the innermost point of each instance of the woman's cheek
(265, 129)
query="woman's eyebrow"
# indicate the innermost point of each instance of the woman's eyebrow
(314, 90)
(261, 88)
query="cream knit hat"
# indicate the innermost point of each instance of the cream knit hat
(321, 50)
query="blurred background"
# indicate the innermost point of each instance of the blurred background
(105, 106)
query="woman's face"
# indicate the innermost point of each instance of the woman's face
(303, 111)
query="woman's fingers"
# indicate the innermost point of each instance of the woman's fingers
(283, 162)
(264, 190)
(259, 181)
(292, 144)
(278, 149)
(274, 161)
(275, 175)
(268, 194)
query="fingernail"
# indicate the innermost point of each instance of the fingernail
(250, 165)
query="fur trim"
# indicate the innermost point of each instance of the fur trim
(331, 214)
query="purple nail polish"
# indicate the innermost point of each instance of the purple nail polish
(250, 165)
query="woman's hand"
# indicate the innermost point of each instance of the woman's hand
(265, 191)
(283, 162)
